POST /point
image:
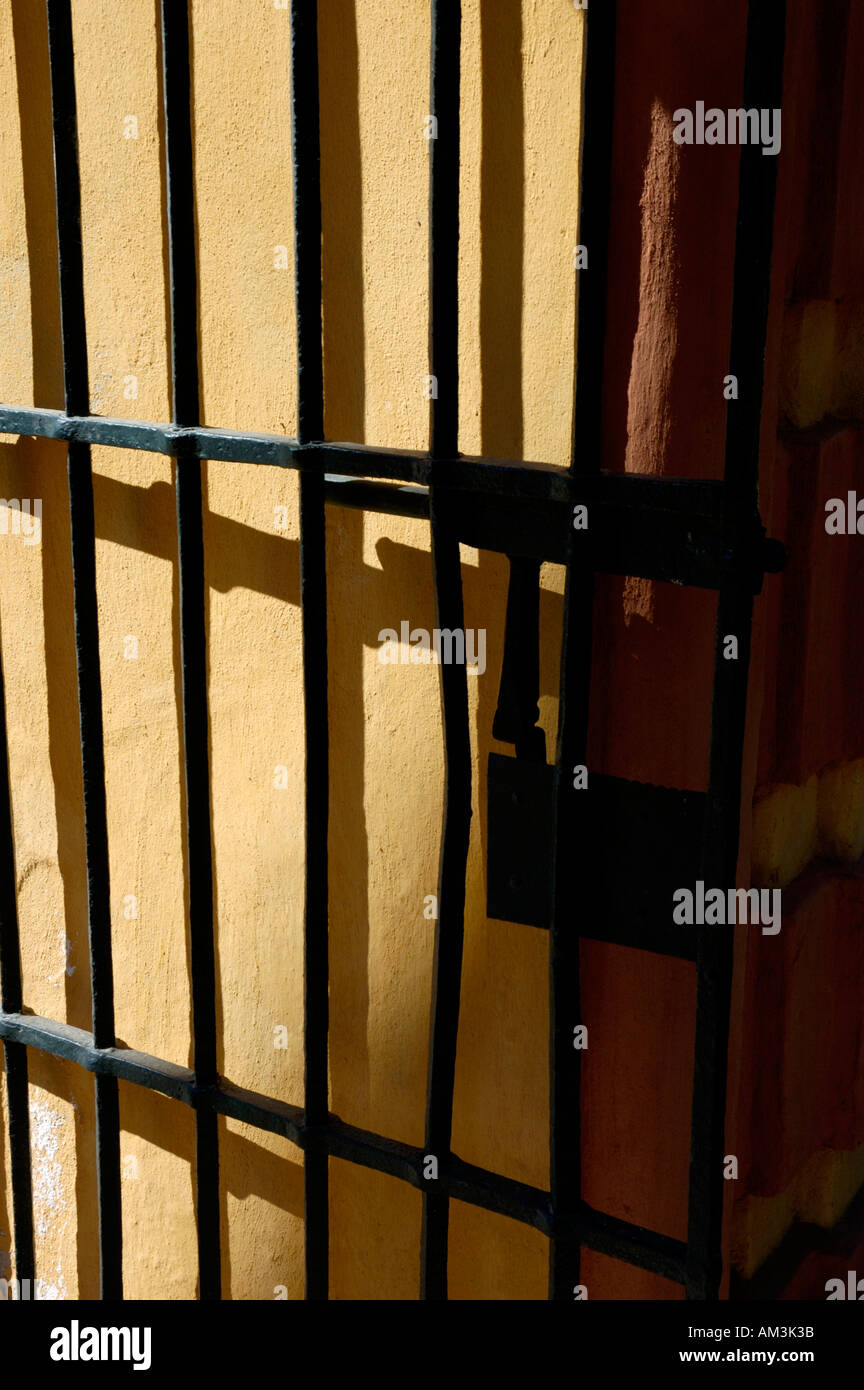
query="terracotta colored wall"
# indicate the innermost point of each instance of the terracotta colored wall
(794, 1119)
(803, 1111)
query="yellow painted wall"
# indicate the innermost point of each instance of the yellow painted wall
(521, 107)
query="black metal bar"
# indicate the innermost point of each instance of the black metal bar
(486, 476)
(634, 1245)
(521, 479)
(313, 594)
(403, 1161)
(383, 498)
(568, 907)
(15, 1054)
(450, 923)
(306, 150)
(763, 86)
(17, 1100)
(464, 1181)
(77, 401)
(715, 951)
(313, 579)
(656, 528)
(446, 20)
(180, 194)
(572, 806)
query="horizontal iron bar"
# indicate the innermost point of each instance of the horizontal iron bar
(504, 476)
(408, 500)
(463, 1181)
(496, 1193)
(282, 451)
(662, 528)
(633, 1245)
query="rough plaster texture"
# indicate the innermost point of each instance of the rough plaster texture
(385, 722)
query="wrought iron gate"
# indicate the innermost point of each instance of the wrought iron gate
(699, 533)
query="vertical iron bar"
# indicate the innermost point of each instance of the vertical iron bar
(180, 194)
(763, 87)
(17, 1099)
(77, 401)
(313, 595)
(11, 1001)
(444, 228)
(572, 808)
(450, 923)
(306, 151)
(444, 429)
